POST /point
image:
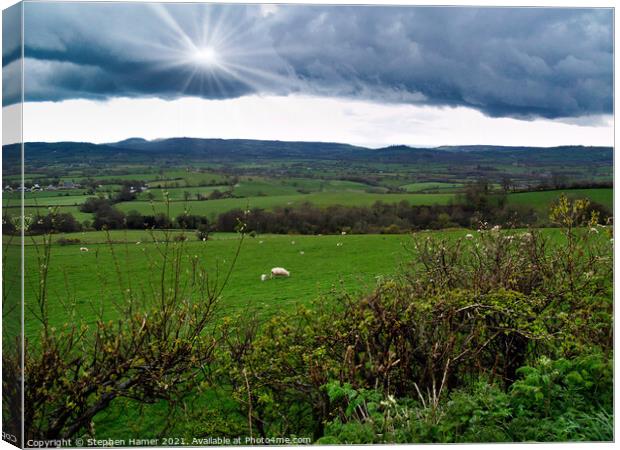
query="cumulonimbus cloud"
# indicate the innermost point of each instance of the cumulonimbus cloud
(510, 62)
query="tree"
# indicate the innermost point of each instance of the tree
(54, 222)
(126, 194)
(109, 218)
(92, 204)
(506, 183)
(134, 220)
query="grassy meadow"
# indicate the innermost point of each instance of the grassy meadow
(83, 283)
(318, 265)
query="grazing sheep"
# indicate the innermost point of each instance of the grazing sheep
(280, 272)
(263, 277)
(83, 249)
(302, 252)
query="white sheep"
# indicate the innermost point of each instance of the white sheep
(83, 249)
(263, 277)
(280, 272)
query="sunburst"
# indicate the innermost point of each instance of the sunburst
(214, 51)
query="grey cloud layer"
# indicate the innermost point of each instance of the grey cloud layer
(522, 63)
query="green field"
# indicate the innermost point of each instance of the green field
(176, 194)
(322, 267)
(51, 200)
(430, 186)
(82, 282)
(540, 200)
(213, 207)
(31, 211)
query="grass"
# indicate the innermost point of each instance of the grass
(42, 210)
(176, 194)
(55, 200)
(323, 267)
(185, 178)
(261, 187)
(82, 282)
(430, 186)
(322, 199)
(540, 201)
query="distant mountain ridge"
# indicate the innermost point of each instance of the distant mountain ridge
(183, 149)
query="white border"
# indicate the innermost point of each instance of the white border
(517, 3)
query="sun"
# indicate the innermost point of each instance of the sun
(213, 55)
(205, 56)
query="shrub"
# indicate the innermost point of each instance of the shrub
(554, 400)
(109, 218)
(68, 241)
(54, 222)
(451, 351)
(153, 354)
(190, 221)
(93, 204)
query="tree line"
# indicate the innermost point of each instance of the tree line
(478, 203)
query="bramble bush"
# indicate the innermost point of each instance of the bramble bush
(553, 400)
(449, 350)
(156, 351)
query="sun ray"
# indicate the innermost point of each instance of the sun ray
(265, 75)
(165, 15)
(216, 50)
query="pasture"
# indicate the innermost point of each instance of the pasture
(431, 186)
(540, 200)
(213, 207)
(82, 283)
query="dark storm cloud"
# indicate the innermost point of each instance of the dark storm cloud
(522, 63)
(11, 52)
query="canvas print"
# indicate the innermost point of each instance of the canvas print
(249, 224)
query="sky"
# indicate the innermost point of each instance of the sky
(372, 76)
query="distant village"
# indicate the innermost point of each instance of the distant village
(63, 186)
